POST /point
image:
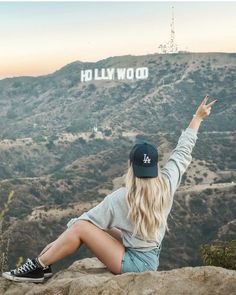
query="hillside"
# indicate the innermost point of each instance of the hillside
(58, 167)
(48, 105)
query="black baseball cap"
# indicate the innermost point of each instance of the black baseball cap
(144, 158)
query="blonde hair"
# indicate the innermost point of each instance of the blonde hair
(147, 198)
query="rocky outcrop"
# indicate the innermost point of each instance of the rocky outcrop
(89, 276)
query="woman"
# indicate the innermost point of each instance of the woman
(126, 229)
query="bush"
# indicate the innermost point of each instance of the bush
(38, 138)
(33, 190)
(81, 140)
(43, 182)
(50, 145)
(79, 125)
(222, 253)
(4, 247)
(107, 132)
(53, 137)
(11, 114)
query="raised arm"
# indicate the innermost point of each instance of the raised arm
(181, 157)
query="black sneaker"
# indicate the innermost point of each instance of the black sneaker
(47, 272)
(30, 271)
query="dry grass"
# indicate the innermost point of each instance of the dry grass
(4, 242)
(4, 249)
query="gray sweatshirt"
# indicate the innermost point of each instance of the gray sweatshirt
(113, 210)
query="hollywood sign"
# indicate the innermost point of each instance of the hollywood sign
(114, 73)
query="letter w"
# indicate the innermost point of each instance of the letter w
(121, 73)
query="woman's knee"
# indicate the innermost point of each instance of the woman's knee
(79, 226)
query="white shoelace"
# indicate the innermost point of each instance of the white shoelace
(29, 265)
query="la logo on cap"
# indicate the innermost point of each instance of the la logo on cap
(146, 159)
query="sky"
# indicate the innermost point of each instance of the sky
(38, 38)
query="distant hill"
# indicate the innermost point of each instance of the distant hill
(58, 166)
(48, 105)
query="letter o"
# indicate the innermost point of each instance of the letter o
(141, 73)
(130, 73)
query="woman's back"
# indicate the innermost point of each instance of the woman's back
(113, 210)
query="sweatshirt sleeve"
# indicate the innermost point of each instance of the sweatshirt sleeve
(180, 158)
(102, 215)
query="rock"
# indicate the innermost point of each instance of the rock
(89, 276)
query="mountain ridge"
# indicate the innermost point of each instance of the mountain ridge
(65, 162)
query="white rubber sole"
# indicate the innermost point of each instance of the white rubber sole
(7, 275)
(47, 276)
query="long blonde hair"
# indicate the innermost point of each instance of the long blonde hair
(147, 199)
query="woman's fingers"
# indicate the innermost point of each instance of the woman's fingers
(211, 103)
(205, 100)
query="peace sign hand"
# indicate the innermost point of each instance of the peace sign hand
(204, 109)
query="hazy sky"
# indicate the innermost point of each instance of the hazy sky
(38, 38)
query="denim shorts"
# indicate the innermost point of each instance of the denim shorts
(140, 261)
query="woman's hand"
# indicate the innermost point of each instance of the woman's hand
(204, 109)
(46, 248)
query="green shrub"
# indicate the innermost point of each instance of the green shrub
(222, 253)
(50, 145)
(4, 249)
(11, 114)
(38, 138)
(33, 190)
(107, 132)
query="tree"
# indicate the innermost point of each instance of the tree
(221, 253)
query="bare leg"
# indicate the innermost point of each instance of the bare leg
(107, 249)
(116, 233)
